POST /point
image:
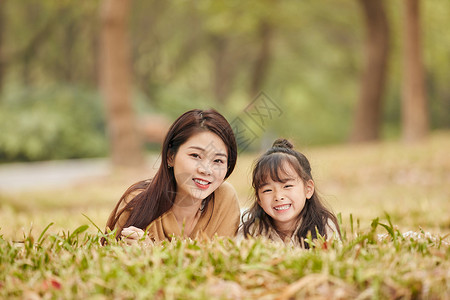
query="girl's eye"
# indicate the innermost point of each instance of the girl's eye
(266, 190)
(219, 161)
(288, 186)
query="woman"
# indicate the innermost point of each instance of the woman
(188, 196)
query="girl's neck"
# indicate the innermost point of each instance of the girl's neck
(285, 234)
(286, 230)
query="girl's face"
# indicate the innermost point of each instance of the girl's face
(284, 200)
(199, 166)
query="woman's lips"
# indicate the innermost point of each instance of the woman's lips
(203, 184)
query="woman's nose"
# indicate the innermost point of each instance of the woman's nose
(204, 169)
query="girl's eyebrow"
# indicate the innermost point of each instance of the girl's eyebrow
(282, 180)
(263, 185)
(288, 179)
(205, 150)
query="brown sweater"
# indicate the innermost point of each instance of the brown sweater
(221, 217)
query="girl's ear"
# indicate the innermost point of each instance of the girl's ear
(309, 189)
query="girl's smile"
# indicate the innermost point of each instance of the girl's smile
(285, 199)
(282, 208)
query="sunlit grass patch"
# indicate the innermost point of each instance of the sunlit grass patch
(381, 262)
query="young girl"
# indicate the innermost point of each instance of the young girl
(188, 196)
(287, 208)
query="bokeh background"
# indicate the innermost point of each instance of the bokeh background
(88, 89)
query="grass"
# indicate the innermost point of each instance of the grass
(365, 266)
(393, 200)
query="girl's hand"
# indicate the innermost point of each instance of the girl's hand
(133, 235)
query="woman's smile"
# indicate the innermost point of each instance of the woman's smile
(203, 184)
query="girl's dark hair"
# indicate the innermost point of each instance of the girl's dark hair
(159, 193)
(314, 214)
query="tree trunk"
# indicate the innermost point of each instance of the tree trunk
(414, 102)
(262, 61)
(115, 80)
(367, 120)
(223, 68)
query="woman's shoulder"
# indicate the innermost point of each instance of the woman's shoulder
(135, 189)
(129, 195)
(226, 200)
(122, 211)
(225, 190)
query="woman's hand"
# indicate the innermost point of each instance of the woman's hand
(133, 235)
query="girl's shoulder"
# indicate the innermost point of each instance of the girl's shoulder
(253, 228)
(331, 230)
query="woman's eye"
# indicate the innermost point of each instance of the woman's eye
(194, 155)
(219, 161)
(288, 186)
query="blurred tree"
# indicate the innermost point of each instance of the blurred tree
(76, 37)
(28, 53)
(225, 66)
(367, 118)
(148, 45)
(126, 149)
(2, 26)
(50, 41)
(305, 54)
(415, 123)
(261, 65)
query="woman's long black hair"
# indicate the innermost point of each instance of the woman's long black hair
(314, 214)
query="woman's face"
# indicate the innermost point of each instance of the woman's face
(199, 166)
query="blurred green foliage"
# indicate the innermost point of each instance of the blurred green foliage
(55, 122)
(314, 63)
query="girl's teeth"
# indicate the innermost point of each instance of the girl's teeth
(283, 207)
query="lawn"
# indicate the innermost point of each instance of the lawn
(392, 198)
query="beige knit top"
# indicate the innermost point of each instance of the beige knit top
(221, 217)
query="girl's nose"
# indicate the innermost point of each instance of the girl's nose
(279, 197)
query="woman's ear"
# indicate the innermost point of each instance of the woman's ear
(170, 159)
(309, 189)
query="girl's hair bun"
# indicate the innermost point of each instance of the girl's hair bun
(282, 143)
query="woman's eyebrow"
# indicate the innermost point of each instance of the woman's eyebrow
(206, 150)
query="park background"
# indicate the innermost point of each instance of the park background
(87, 90)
